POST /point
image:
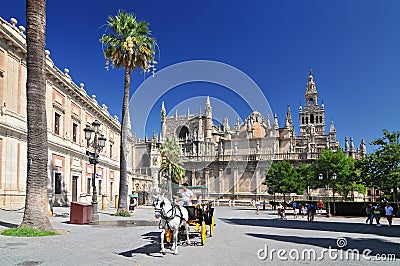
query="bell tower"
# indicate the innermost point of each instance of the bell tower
(312, 115)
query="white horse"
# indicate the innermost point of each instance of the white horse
(172, 218)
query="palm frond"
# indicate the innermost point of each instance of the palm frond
(127, 43)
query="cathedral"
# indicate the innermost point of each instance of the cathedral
(231, 162)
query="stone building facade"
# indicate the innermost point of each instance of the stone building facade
(231, 161)
(69, 110)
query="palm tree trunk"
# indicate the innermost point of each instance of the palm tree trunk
(123, 193)
(36, 200)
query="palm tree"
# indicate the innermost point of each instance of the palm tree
(171, 164)
(127, 44)
(36, 200)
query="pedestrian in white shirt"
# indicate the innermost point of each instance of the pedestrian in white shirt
(389, 213)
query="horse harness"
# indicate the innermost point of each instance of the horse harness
(173, 214)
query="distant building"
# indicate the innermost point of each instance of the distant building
(231, 161)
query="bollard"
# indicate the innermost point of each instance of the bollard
(234, 203)
(230, 204)
(116, 201)
(103, 202)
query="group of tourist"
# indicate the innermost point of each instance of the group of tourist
(378, 211)
(306, 210)
(374, 212)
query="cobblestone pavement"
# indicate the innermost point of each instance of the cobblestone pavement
(239, 236)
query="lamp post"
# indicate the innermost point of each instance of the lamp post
(327, 178)
(98, 143)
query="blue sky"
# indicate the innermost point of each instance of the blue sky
(352, 46)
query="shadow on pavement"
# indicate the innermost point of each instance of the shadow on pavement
(8, 225)
(319, 226)
(375, 245)
(151, 249)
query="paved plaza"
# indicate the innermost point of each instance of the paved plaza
(241, 238)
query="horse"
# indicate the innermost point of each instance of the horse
(173, 217)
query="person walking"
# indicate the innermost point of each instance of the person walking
(304, 210)
(320, 206)
(295, 212)
(368, 210)
(132, 204)
(378, 211)
(281, 211)
(257, 205)
(311, 212)
(389, 213)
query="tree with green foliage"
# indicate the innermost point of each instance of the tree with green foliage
(127, 44)
(283, 178)
(339, 163)
(171, 164)
(307, 177)
(381, 169)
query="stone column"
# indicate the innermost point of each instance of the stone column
(207, 180)
(220, 180)
(258, 186)
(235, 179)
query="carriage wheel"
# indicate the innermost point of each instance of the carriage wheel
(203, 233)
(212, 226)
(168, 236)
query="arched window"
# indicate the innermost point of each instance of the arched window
(183, 132)
(311, 118)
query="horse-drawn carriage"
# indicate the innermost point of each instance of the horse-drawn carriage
(201, 215)
(177, 220)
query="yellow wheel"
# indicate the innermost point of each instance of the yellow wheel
(212, 226)
(168, 236)
(203, 233)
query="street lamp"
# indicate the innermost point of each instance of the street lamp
(333, 177)
(98, 144)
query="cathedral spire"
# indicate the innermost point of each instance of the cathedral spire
(311, 114)
(226, 124)
(332, 128)
(289, 120)
(163, 111)
(209, 123)
(163, 121)
(276, 124)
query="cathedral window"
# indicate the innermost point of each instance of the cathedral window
(183, 133)
(312, 119)
(302, 120)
